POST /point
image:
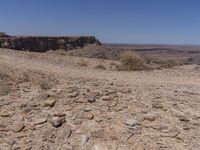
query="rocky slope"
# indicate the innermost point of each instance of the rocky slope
(42, 44)
(54, 103)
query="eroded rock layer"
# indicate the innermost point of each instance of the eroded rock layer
(42, 43)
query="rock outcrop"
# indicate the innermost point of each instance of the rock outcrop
(3, 35)
(45, 43)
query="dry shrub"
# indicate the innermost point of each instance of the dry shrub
(100, 66)
(5, 86)
(23, 78)
(197, 68)
(26, 78)
(5, 89)
(83, 63)
(63, 54)
(70, 53)
(96, 52)
(132, 61)
(44, 84)
(169, 63)
(149, 60)
(4, 77)
(158, 63)
(47, 82)
(115, 65)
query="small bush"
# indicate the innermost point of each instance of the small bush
(4, 77)
(83, 63)
(197, 68)
(44, 84)
(5, 89)
(100, 66)
(71, 53)
(169, 63)
(131, 61)
(47, 82)
(63, 54)
(115, 65)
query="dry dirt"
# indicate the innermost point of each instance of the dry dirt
(54, 102)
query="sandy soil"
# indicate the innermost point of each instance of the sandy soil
(52, 102)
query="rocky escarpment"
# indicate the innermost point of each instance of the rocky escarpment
(44, 43)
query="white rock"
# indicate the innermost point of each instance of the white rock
(100, 146)
(40, 121)
(84, 139)
(106, 98)
(150, 117)
(132, 122)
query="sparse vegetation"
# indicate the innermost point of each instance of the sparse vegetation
(156, 63)
(97, 52)
(115, 65)
(44, 84)
(83, 63)
(4, 76)
(5, 89)
(197, 68)
(169, 63)
(131, 61)
(70, 53)
(100, 66)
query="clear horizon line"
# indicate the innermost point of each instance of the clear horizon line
(170, 44)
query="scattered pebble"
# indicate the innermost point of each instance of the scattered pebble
(106, 98)
(49, 103)
(18, 127)
(100, 146)
(91, 99)
(150, 117)
(40, 121)
(88, 116)
(132, 122)
(57, 121)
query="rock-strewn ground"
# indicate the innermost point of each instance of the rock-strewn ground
(54, 102)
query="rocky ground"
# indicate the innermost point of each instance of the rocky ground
(59, 102)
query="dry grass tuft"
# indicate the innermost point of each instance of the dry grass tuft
(197, 68)
(44, 84)
(5, 89)
(47, 82)
(169, 63)
(83, 63)
(100, 66)
(114, 65)
(4, 77)
(132, 61)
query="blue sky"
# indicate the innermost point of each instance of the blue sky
(116, 21)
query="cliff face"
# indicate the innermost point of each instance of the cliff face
(42, 44)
